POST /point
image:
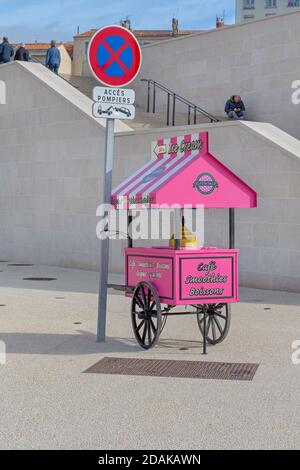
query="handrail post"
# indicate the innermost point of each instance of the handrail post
(148, 98)
(168, 110)
(174, 104)
(191, 106)
(231, 228)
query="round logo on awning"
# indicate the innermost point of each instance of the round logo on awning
(205, 184)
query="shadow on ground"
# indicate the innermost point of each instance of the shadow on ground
(63, 344)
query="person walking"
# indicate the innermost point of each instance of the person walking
(235, 108)
(6, 51)
(53, 58)
(22, 53)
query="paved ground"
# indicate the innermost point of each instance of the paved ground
(47, 401)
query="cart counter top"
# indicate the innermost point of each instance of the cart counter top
(159, 250)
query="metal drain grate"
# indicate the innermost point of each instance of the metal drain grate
(20, 264)
(39, 279)
(169, 368)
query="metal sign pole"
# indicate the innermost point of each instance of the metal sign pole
(104, 247)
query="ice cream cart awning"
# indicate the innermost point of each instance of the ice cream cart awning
(182, 171)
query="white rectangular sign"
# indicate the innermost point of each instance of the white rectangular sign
(176, 146)
(121, 96)
(104, 110)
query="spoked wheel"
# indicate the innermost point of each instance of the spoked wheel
(146, 315)
(218, 318)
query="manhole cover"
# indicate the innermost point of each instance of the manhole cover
(170, 368)
(39, 279)
(20, 264)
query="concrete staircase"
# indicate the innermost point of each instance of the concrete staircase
(143, 120)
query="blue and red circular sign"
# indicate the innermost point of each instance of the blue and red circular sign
(114, 56)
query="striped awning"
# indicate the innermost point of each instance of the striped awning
(183, 172)
(142, 186)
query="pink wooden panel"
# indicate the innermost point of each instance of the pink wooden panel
(158, 270)
(208, 279)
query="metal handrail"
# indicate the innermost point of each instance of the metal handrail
(175, 97)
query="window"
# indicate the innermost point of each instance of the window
(248, 17)
(293, 3)
(86, 46)
(249, 4)
(271, 3)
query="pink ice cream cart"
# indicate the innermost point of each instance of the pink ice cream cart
(202, 279)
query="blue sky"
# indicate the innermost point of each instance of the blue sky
(40, 20)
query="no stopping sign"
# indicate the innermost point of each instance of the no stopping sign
(114, 56)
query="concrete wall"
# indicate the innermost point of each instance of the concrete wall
(51, 166)
(258, 60)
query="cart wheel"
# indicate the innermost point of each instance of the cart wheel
(217, 321)
(146, 315)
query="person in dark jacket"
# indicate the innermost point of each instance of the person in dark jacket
(235, 108)
(53, 58)
(22, 53)
(6, 51)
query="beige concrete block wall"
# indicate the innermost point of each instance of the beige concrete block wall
(268, 237)
(258, 60)
(51, 167)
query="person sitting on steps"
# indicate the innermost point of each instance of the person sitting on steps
(235, 108)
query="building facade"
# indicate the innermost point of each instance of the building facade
(247, 10)
(81, 43)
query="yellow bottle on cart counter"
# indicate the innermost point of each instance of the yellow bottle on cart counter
(187, 238)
